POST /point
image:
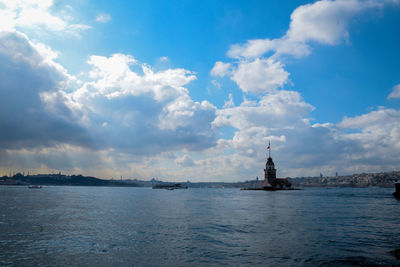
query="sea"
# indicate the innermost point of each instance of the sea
(117, 226)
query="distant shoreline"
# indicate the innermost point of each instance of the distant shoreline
(383, 179)
(60, 180)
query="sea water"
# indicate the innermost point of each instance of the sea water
(110, 226)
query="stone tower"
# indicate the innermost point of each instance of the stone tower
(270, 171)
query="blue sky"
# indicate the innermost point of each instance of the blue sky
(194, 90)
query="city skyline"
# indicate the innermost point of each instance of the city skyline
(197, 89)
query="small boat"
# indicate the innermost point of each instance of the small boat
(34, 186)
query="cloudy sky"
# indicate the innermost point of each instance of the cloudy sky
(195, 90)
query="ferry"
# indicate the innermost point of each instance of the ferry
(34, 186)
(169, 186)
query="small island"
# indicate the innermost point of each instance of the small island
(271, 183)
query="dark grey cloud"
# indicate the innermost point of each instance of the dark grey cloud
(43, 125)
(25, 121)
(131, 125)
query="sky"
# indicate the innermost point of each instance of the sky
(195, 90)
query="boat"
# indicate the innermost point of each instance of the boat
(34, 186)
(169, 186)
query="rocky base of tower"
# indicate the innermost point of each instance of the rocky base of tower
(269, 188)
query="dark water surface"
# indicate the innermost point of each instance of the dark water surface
(106, 226)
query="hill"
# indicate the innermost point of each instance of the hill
(382, 179)
(60, 179)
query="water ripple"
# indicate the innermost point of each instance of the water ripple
(81, 226)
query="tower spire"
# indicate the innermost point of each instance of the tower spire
(269, 145)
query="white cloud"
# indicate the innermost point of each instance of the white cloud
(378, 137)
(322, 22)
(144, 105)
(216, 83)
(272, 118)
(221, 69)
(229, 103)
(113, 78)
(35, 15)
(395, 93)
(185, 161)
(300, 148)
(276, 110)
(103, 18)
(7, 20)
(122, 113)
(259, 47)
(75, 29)
(260, 75)
(252, 49)
(184, 112)
(378, 131)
